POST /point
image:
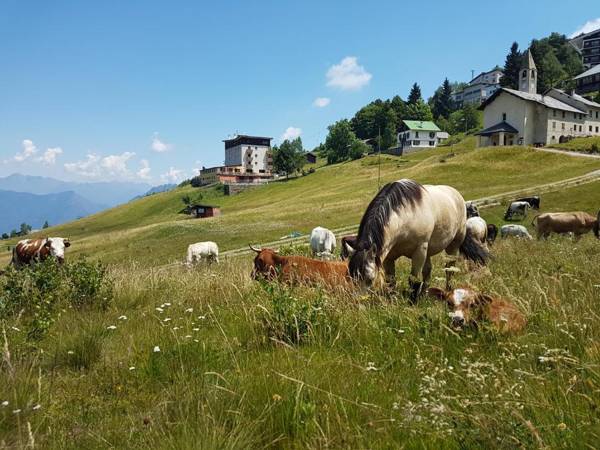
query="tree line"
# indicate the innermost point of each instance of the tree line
(24, 230)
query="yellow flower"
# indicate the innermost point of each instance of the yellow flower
(276, 397)
(562, 426)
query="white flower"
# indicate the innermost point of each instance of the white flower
(122, 317)
(175, 328)
(167, 319)
(132, 368)
(196, 340)
(4, 403)
(70, 352)
(36, 407)
(201, 317)
(156, 349)
(111, 327)
(16, 411)
(195, 329)
(189, 336)
(159, 310)
(395, 405)
(371, 366)
(167, 304)
(189, 310)
(15, 328)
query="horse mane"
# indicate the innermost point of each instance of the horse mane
(392, 197)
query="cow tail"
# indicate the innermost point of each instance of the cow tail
(597, 226)
(473, 250)
(534, 219)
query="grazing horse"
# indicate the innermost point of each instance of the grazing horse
(415, 221)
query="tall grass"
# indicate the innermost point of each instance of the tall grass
(206, 358)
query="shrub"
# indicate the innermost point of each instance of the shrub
(35, 292)
(594, 148)
(291, 319)
(294, 249)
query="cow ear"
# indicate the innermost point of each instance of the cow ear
(66, 242)
(437, 293)
(349, 248)
(48, 243)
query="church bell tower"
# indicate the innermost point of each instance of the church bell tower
(528, 75)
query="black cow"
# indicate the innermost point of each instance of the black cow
(517, 209)
(534, 201)
(492, 232)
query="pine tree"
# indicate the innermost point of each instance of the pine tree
(512, 65)
(442, 104)
(415, 94)
(46, 225)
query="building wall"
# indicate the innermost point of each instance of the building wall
(514, 108)
(412, 140)
(254, 158)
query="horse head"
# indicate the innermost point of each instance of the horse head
(363, 265)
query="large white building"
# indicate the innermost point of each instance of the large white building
(479, 88)
(525, 117)
(418, 135)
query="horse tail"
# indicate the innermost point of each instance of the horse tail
(533, 221)
(473, 250)
(597, 226)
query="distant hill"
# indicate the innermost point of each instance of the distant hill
(103, 193)
(34, 209)
(157, 190)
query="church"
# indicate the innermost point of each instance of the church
(524, 117)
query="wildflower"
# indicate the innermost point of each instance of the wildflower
(167, 319)
(189, 310)
(4, 403)
(201, 317)
(16, 411)
(562, 426)
(175, 328)
(276, 397)
(36, 407)
(167, 304)
(371, 366)
(70, 352)
(15, 328)
(395, 405)
(156, 349)
(159, 309)
(122, 317)
(196, 340)
(132, 368)
(189, 336)
(111, 327)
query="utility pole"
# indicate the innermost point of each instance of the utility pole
(472, 73)
(378, 158)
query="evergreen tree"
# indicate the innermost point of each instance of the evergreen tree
(46, 225)
(5, 236)
(441, 102)
(400, 109)
(512, 65)
(419, 111)
(415, 94)
(25, 229)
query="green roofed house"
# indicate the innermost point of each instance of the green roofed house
(418, 135)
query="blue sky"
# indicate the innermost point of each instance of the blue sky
(146, 90)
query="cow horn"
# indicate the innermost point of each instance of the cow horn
(254, 249)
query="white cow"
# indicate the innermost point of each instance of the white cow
(202, 250)
(477, 227)
(322, 240)
(518, 231)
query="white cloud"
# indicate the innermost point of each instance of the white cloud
(49, 156)
(590, 25)
(144, 172)
(348, 75)
(94, 166)
(29, 149)
(173, 175)
(291, 133)
(321, 102)
(160, 146)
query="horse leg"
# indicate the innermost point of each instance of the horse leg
(389, 267)
(426, 273)
(419, 259)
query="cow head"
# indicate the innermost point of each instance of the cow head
(57, 246)
(363, 265)
(465, 304)
(472, 210)
(266, 263)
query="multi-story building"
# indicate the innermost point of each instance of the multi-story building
(248, 159)
(479, 88)
(524, 117)
(588, 81)
(418, 135)
(588, 45)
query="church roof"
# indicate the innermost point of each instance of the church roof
(528, 62)
(544, 100)
(502, 127)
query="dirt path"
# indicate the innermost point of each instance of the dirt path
(568, 153)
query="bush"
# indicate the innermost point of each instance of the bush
(35, 292)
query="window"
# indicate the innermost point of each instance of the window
(524, 74)
(416, 134)
(596, 129)
(591, 128)
(563, 125)
(563, 114)
(596, 114)
(580, 129)
(416, 143)
(553, 138)
(432, 135)
(504, 116)
(431, 143)
(554, 125)
(553, 113)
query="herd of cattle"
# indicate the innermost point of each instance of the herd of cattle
(404, 219)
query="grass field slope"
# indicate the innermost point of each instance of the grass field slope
(152, 231)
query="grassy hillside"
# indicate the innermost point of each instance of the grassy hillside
(151, 231)
(368, 372)
(585, 145)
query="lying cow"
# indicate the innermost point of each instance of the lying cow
(29, 251)
(492, 233)
(322, 240)
(470, 307)
(577, 222)
(349, 240)
(516, 209)
(269, 265)
(534, 202)
(518, 231)
(472, 210)
(202, 250)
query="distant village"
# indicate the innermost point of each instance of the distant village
(516, 115)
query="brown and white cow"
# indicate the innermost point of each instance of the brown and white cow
(268, 264)
(29, 251)
(577, 222)
(470, 307)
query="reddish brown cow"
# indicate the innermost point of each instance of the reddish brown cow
(28, 251)
(270, 265)
(471, 307)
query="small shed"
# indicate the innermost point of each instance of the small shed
(201, 211)
(311, 158)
